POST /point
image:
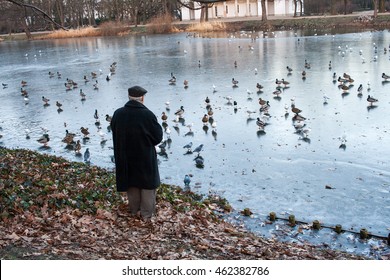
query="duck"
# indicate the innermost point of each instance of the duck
(44, 139)
(371, 100)
(45, 100)
(187, 180)
(234, 82)
(23, 92)
(285, 83)
(385, 76)
(4, 85)
(185, 83)
(108, 118)
(96, 85)
(96, 117)
(59, 105)
(210, 112)
(207, 101)
(295, 110)
(86, 80)
(259, 87)
(82, 94)
(205, 119)
(344, 88)
(23, 83)
(277, 92)
(68, 86)
(172, 80)
(68, 139)
(164, 117)
(289, 69)
(180, 112)
(303, 74)
(260, 123)
(84, 131)
(77, 147)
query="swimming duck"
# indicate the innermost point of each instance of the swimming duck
(44, 139)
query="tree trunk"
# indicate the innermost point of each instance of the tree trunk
(382, 6)
(263, 11)
(332, 7)
(345, 7)
(375, 2)
(295, 8)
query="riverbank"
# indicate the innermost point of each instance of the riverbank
(361, 20)
(55, 209)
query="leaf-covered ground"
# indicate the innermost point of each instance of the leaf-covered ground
(55, 209)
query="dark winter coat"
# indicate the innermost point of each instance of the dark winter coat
(136, 132)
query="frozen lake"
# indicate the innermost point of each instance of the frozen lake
(286, 169)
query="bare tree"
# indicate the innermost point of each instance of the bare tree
(375, 2)
(263, 11)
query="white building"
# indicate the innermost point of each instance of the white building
(242, 8)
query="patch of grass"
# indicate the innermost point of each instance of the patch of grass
(161, 25)
(207, 27)
(72, 33)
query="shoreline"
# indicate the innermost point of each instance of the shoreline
(361, 20)
(57, 209)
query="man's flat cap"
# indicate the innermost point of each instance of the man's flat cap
(137, 91)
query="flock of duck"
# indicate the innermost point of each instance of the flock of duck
(345, 83)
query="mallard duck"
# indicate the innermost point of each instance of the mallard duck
(234, 82)
(371, 100)
(210, 112)
(44, 139)
(77, 147)
(207, 100)
(289, 69)
(68, 86)
(82, 94)
(84, 131)
(259, 87)
(4, 85)
(86, 80)
(23, 92)
(59, 105)
(385, 76)
(51, 74)
(164, 117)
(45, 100)
(23, 83)
(96, 85)
(172, 80)
(205, 119)
(285, 83)
(108, 118)
(277, 93)
(260, 123)
(180, 112)
(185, 83)
(68, 139)
(295, 110)
(94, 75)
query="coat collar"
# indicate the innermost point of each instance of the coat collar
(134, 104)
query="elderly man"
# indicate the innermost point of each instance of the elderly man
(136, 132)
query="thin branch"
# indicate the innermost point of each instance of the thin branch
(34, 8)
